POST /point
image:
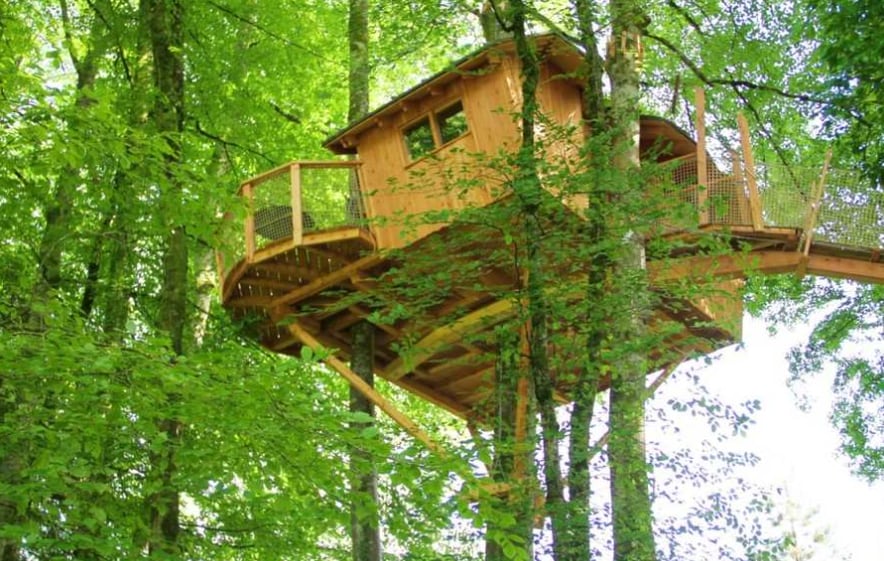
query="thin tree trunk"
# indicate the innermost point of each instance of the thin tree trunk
(365, 532)
(578, 546)
(513, 453)
(364, 522)
(529, 191)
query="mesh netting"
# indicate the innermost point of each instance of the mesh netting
(330, 198)
(851, 212)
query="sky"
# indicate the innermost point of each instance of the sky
(798, 449)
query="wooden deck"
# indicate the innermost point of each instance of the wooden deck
(316, 256)
(439, 345)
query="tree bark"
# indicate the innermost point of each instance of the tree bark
(630, 499)
(365, 531)
(529, 191)
(513, 452)
(165, 20)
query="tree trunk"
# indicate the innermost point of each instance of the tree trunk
(165, 26)
(578, 546)
(513, 452)
(529, 191)
(364, 520)
(630, 500)
(365, 531)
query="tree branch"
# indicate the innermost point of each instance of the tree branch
(199, 129)
(684, 13)
(740, 86)
(268, 32)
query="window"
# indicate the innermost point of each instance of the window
(452, 122)
(434, 130)
(419, 138)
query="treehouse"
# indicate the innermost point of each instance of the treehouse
(323, 245)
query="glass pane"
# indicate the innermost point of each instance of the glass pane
(419, 139)
(452, 122)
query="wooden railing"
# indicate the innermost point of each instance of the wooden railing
(285, 204)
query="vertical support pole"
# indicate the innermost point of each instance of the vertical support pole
(297, 218)
(248, 193)
(749, 168)
(702, 164)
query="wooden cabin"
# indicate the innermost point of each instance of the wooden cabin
(321, 239)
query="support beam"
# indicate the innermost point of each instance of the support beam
(369, 392)
(248, 193)
(297, 210)
(328, 280)
(813, 211)
(446, 335)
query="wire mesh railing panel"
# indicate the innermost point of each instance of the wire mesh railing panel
(675, 189)
(851, 213)
(330, 198)
(272, 206)
(726, 199)
(786, 194)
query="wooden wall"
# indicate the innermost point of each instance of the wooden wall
(401, 192)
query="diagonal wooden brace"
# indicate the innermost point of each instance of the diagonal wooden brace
(369, 392)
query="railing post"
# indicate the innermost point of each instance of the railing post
(749, 168)
(297, 210)
(813, 212)
(702, 164)
(248, 193)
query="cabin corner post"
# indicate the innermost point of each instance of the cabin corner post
(297, 209)
(749, 170)
(702, 164)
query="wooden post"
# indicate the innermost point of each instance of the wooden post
(248, 192)
(813, 211)
(702, 164)
(297, 218)
(749, 168)
(369, 392)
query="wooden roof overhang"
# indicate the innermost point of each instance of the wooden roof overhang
(657, 133)
(554, 48)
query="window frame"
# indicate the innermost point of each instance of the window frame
(432, 117)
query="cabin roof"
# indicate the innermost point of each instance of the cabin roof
(556, 48)
(559, 50)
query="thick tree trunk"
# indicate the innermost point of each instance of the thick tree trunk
(165, 26)
(365, 531)
(631, 504)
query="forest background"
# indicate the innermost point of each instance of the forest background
(136, 419)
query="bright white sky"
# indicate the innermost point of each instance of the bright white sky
(798, 450)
